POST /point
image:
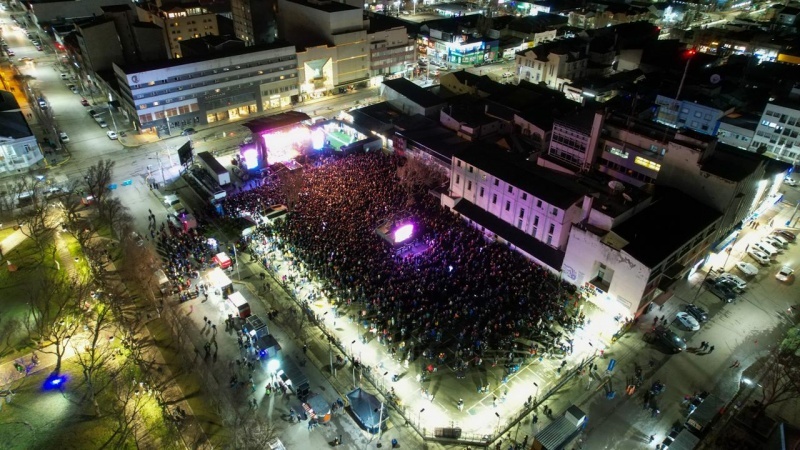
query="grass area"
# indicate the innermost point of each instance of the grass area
(190, 384)
(338, 140)
(76, 252)
(6, 232)
(54, 418)
(14, 289)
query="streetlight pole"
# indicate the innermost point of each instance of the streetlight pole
(419, 417)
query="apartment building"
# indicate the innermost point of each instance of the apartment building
(179, 22)
(253, 21)
(695, 112)
(222, 85)
(19, 149)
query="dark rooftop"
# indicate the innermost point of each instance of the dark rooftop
(440, 142)
(116, 8)
(550, 256)
(270, 123)
(731, 163)
(747, 121)
(12, 122)
(666, 225)
(413, 92)
(326, 6)
(156, 65)
(554, 188)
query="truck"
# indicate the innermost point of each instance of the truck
(290, 374)
(561, 431)
(680, 439)
(706, 410)
(210, 164)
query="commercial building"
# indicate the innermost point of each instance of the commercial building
(99, 44)
(778, 131)
(18, 147)
(695, 112)
(335, 51)
(140, 41)
(234, 83)
(573, 142)
(179, 22)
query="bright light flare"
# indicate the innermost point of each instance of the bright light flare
(403, 233)
(317, 139)
(250, 158)
(285, 145)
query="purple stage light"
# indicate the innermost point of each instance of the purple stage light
(403, 233)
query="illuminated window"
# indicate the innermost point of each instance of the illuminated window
(647, 163)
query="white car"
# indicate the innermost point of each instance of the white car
(102, 124)
(733, 279)
(111, 134)
(759, 256)
(63, 137)
(785, 274)
(747, 268)
(790, 181)
(688, 321)
(774, 242)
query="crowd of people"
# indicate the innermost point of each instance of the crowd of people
(460, 293)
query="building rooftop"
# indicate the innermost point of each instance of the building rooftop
(12, 122)
(116, 8)
(156, 65)
(731, 163)
(440, 142)
(671, 221)
(325, 5)
(554, 188)
(413, 92)
(742, 120)
(538, 249)
(274, 122)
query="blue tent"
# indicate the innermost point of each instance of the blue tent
(366, 409)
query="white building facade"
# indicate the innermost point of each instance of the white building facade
(779, 132)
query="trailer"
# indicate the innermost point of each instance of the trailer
(208, 162)
(256, 327)
(293, 377)
(561, 431)
(680, 439)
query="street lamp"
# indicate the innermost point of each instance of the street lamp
(536, 395)
(415, 7)
(498, 420)
(419, 417)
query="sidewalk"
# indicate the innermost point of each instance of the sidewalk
(133, 140)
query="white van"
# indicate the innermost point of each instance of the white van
(780, 239)
(766, 248)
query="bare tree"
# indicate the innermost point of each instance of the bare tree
(115, 215)
(130, 400)
(248, 430)
(54, 313)
(34, 215)
(141, 263)
(417, 176)
(96, 355)
(97, 179)
(9, 327)
(781, 380)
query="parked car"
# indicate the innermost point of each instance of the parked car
(62, 136)
(93, 113)
(171, 199)
(759, 256)
(102, 123)
(785, 274)
(790, 181)
(774, 242)
(73, 88)
(786, 234)
(697, 312)
(733, 279)
(672, 341)
(780, 239)
(688, 321)
(84, 102)
(747, 268)
(722, 290)
(188, 132)
(111, 134)
(64, 76)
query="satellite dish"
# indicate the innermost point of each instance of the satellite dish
(616, 185)
(627, 197)
(715, 79)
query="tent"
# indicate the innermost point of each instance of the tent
(366, 409)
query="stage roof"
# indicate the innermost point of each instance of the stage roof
(267, 124)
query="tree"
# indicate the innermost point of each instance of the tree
(781, 379)
(115, 215)
(54, 313)
(9, 327)
(248, 430)
(97, 179)
(34, 216)
(96, 355)
(131, 399)
(141, 263)
(416, 176)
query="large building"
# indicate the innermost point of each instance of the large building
(160, 96)
(336, 53)
(179, 22)
(18, 147)
(99, 44)
(778, 131)
(253, 21)
(695, 112)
